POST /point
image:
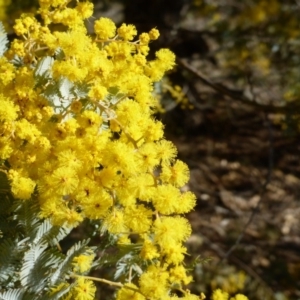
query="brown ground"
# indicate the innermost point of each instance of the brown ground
(241, 162)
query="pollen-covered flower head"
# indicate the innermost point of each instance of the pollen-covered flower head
(154, 34)
(149, 283)
(64, 180)
(105, 28)
(220, 295)
(127, 32)
(83, 262)
(84, 289)
(22, 187)
(166, 58)
(129, 291)
(8, 110)
(169, 230)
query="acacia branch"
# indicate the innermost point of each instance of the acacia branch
(111, 283)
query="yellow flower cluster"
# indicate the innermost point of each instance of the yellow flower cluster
(98, 154)
(231, 282)
(83, 263)
(221, 295)
(84, 289)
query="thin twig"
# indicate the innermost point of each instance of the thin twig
(111, 283)
(238, 95)
(262, 192)
(214, 247)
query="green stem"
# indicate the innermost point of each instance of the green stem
(111, 283)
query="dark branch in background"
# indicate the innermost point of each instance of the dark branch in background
(235, 260)
(239, 95)
(262, 192)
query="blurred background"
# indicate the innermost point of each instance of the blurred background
(232, 107)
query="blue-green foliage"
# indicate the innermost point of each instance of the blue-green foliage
(3, 39)
(31, 262)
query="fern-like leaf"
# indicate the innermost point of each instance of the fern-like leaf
(59, 54)
(8, 259)
(58, 295)
(44, 266)
(27, 215)
(43, 67)
(3, 40)
(42, 230)
(31, 274)
(18, 294)
(66, 266)
(80, 90)
(65, 88)
(12, 294)
(55, 234)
